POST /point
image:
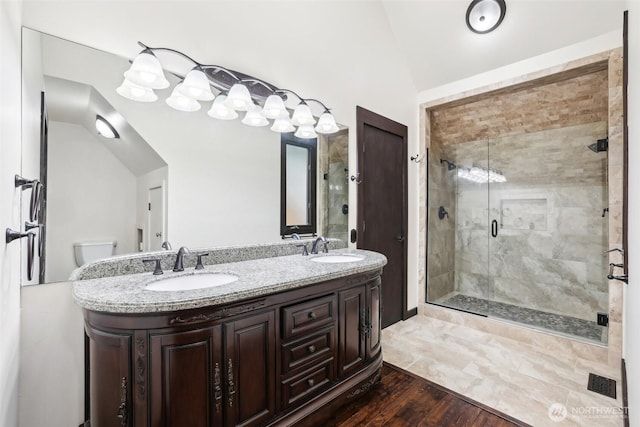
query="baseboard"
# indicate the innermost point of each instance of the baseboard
(410, 313)
(625, 397)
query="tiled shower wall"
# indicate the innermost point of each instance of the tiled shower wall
(548, 254)
(442, 232)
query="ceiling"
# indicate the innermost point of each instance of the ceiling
(439, 48)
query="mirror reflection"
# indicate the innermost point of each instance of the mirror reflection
(171, 176)
(298, 195)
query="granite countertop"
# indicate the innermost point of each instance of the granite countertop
(127, 293)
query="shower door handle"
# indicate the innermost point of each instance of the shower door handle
(494, 228)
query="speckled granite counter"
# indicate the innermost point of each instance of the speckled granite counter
(127, 293)
(132, 263)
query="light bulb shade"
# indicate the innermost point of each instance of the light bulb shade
(146, 71)
(105, 128)
(219, 109)
(282, 125)
(181, 102)
(135, 92)
(254, 117)
(196, 86)
(484, 16)
(306, 132)
(239, 98)
(326, 124)
(274, 108)
(302, 116)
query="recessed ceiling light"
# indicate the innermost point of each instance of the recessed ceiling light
(105, 129)
(484, 16)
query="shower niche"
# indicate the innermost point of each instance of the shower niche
(525, 193)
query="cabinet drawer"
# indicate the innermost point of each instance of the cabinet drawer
(301, 319)
(305, 385)
(307, 350)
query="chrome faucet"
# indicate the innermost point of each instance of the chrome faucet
(314, 248)
(166, 245)
(179, 257)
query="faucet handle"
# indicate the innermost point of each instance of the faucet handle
(199, 265)
(305, 250)
(157, 269)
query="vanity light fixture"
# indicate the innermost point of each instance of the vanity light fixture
(235, 92)
(105, 128)
(484, 16)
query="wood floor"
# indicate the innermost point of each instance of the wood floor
(402, 399)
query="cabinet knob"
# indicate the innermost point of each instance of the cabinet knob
(311, 348)
(312, 315)
(311, 382)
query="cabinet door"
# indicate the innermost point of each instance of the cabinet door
(185, 369)
(373, 318)
(250, 370)
(351, 346)
(110, 385)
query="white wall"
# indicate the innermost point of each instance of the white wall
(631, 323)
(91, 197)
(51, 358)
(10, 133)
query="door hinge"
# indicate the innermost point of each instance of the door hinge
(149, 206)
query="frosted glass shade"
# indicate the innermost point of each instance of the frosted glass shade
(282, 125)
(326, 124)
(219, 109)
(178, 101)
(146, 71)
(239, 98)
(135, 92)
(196, 86)
(274, 108)
(302, 115)
(306, 132)
(254, 117)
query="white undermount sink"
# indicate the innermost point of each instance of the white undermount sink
(336, 258)
(191, 282)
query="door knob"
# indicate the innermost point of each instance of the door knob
(158, 234)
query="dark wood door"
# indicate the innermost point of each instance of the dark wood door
(382, 204)
(250, 370)
(351, 304)
(182, 373)
(110, 386)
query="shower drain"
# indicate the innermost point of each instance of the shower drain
(602, 385)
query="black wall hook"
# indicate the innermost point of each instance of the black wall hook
(11, 235)
(24, 182)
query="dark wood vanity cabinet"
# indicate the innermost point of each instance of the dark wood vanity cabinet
(276, 359)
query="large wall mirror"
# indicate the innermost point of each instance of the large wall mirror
(172, 176)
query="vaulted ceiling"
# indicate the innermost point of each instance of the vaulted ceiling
(439, 48)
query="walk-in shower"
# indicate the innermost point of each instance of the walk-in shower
(525, 235)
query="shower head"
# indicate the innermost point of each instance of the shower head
(599, 145)
(450, 165)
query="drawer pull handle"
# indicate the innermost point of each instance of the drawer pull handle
(312, 349)
(312, 315)
(217, 388)
(311, 382)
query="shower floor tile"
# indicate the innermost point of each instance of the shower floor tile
(553, 322)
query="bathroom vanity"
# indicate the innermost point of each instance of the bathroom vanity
(291, 336)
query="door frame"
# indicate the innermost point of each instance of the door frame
(366, 117)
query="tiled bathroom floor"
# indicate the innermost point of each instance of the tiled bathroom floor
(536, 318)
(521, 379)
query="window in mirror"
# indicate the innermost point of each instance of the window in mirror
(298, 186)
